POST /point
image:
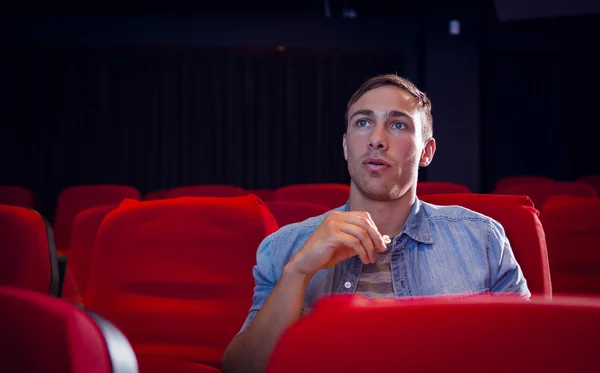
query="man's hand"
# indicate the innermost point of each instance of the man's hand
(340, 236)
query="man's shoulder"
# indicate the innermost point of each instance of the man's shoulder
(454, 213)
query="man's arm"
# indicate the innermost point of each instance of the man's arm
(250, 350)
(507, 276)
(340, 236)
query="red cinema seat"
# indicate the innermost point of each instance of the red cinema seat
(540, 192)
(431, 187)
(286, 212)
(573, 237)
(492, 334)
(523, 179)
(45, 334)
(81, 247)
(266, 195)
(176, 276)
(16, 196)
(223, 191)
(75, 199)
(522, 226)
(330, 195)
(28, 252)
(156, 194)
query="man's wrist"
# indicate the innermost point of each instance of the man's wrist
(292, 275)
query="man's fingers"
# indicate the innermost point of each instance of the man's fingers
(367, 224)
(352, 242)
(364, 238)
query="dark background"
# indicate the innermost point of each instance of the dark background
(163, 94)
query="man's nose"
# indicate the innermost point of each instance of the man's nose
(378, 139)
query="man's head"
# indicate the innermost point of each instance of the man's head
(388, 136)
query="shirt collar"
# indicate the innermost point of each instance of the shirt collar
(416, 226)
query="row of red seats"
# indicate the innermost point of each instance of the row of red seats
(570, 231)
(40, 333)
(182, 273)
(74, 200)
(184, 266)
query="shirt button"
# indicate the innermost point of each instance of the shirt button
(347, 285)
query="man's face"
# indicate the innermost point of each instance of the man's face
(384, 145)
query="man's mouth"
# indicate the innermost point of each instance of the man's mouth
(376, 162)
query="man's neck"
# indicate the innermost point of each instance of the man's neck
(388, 216)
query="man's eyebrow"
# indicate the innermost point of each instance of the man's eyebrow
(396, 113)
(365, 112)
(388, 114)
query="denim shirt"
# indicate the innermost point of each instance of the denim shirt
(442, 250)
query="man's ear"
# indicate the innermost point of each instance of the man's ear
(427, 153)
(345, 145)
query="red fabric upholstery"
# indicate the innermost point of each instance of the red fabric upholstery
(156, 194)
(81, 246)
(474, 334)
(524, 179)
(16, 196)
(176, 275)
(522, 226)
(540, 192)
(287, 212)
(27, 258)
(593, 180)
(264, 194)
(73, 200)
(207, 191)
(45, 334)
(426, 187)
(330, 195)
(573, 236)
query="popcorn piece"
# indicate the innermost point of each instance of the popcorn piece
(386, 239)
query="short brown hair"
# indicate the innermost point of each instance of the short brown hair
(404, 84)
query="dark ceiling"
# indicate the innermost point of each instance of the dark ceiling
(198, 7)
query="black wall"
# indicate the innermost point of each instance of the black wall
(160, 102)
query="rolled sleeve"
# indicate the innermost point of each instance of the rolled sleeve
(264, 278)
(506, 274)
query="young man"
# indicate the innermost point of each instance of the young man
(435, 250)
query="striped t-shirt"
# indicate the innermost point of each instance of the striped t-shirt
(376, 279)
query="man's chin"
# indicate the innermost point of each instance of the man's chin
(379, 193)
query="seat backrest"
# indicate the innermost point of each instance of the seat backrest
(573, 236)
(356, 335)
(521, 179)
(81, 247)
(288, 212)
(223, 191)
(16, 196)
(522, 226)
(28, 251)
(330, 195)
(433, 187)
(75, 199)
(176, 275)
(540, 192)
(45, 334)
